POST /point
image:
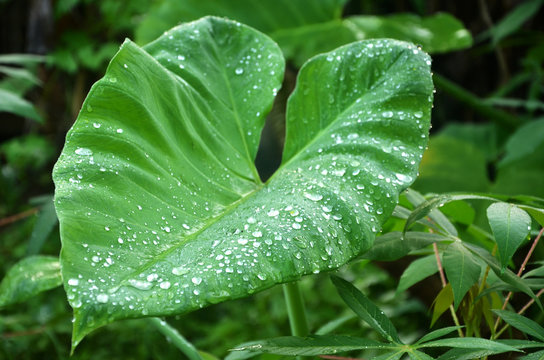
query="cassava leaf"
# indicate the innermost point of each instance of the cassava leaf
(313, 345)
(461, 269)
(161, 208)
(29, 277)
(418, 270)
(510, 226)
(366, 309)
(522, 323)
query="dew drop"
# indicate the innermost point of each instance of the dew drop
(196, 280)
(83, 151)
(102, 298)
(239, 71)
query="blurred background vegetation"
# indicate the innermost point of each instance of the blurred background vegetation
(487, 136)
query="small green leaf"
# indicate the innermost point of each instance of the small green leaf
(394, 245)
(461, 269)
(15, 104)
(514, 19)
(522, 323)
(366, 309)
(469, 354)
(418, 270)
(313, 345)
(536, 213)
(507, 276)
(442, 302)
(538, 355)
(435, 215)
(46, 221)
(29, 277)
(432, 203)
(524, 141)
(510, 226)
(418, 355)
(469, 343)
(437, 334)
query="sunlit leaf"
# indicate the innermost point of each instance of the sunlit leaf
(29, 277)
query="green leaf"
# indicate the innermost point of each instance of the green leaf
(21, 59)
(175, 338)
(29, 277)
(46, 221)
(438, 33)
(426, 207)
(469, 354)
(394, 245)
(437, 334)
(417, 270)
(514, 19)
(442, 302)
(522, 323)
(157, 193)
(505, 275)
(366, 309)
(510, 226)
(524, 141)
(12, 103)
(452, 165)
(418, 355)
(469, 343)
(313, 345)
(536, 213)
(538, 355)
(268, 16)
(435, 215)
(461, 269)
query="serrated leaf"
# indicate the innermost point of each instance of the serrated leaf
(29, 277)
(461, 269)
(157, 192)
(418, 270)
(522, 323)
(510, 226)
(366, 309)
(313, 345)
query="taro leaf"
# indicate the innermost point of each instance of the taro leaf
(29, 277)
(462, 270)
(160, 206)
(510, 226)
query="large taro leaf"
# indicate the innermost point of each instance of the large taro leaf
(160, 205)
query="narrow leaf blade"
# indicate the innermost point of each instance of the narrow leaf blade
(29, 277)
(366, 309)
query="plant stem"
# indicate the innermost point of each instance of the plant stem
(520, 271)
(295, 309)
(478, 104)
(443, 279)
(176, 338)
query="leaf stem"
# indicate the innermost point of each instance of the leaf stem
(443, 279)
(520, 271)
(295, 309)
(176, 338)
